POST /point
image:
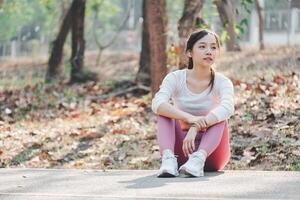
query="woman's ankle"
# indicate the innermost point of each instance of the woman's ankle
(167, 150)
(203, 152)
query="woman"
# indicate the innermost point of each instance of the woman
(195, 127)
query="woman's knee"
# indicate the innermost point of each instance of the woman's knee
(163, 118)
(221, 123)
(218, 127)
(216, 166)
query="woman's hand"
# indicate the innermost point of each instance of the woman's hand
(188, 146)
(184, 125)
(199, 121)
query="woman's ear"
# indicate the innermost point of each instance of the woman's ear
(189, 53)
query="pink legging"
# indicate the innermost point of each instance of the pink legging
(215, 141)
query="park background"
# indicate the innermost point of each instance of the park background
(77, 79)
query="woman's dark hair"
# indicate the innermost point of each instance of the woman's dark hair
(194, 37)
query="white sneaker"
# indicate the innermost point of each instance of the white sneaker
(169, 165)
(194, 166)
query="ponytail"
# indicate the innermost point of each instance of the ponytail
(212, 79)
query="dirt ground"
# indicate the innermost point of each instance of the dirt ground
(63, 126)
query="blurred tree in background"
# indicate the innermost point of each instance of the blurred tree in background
(37, 26)
(188, 23)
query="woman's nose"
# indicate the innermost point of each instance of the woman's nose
(208, 52)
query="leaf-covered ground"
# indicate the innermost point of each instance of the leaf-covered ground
(63, 126)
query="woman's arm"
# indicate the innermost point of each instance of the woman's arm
(226, 107)
(168, 110)
(160, 102)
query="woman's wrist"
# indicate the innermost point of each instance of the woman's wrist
(196, 125)
(187, 117)
(206, 120)
(194, 130)
(211, 119)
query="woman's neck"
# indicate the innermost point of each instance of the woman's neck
(201, 73)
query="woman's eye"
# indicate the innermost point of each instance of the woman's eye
(214, 48)
(202, 47)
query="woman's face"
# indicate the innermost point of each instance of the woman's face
(204, 51)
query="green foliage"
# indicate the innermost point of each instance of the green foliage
(147, 97)
(106, 15)
(209, 11)
(248, 116)
(22, 156)
(203, 26)
(15, 14)
(296, 165)
(111, 83)
(224, 36)
(174, 10)
(247, 5)
(240, 27)
(106, 9)
(45, 16)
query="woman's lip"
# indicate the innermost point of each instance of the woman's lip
(208, 58)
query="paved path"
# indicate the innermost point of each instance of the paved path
(36, 184)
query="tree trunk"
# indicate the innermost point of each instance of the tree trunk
(63, 11)
(226, 13)
(186, 25)
(261, 25)
(143, 74)
(157, 25)
(55, 71)
(78, 42)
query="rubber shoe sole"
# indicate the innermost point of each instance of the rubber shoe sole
(186, 173)
(166, 174)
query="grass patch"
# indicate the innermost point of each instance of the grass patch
(296, 165)
(18, 83)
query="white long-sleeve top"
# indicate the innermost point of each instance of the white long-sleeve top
(220, 101)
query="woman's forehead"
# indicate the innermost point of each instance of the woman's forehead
(209, 38)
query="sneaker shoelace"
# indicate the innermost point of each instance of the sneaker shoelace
(196, 158)
(165, 157)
